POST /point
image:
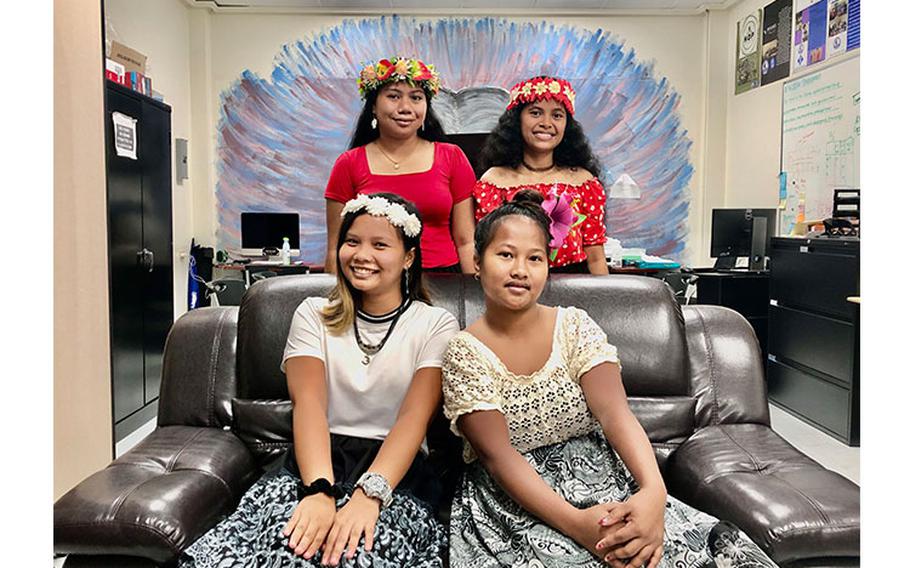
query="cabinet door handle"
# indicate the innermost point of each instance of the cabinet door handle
(146, 259)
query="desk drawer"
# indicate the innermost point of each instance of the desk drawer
(822, 403)
(821, 343)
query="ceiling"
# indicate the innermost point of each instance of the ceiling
(663, 7)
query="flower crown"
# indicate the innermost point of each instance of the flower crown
(396, 214)
(412, 70)
(540, 88)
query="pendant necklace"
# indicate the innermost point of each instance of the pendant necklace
(387, 157)
(370, 350)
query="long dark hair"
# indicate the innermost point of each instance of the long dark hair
(526, 203)
(364, 133)
(505, 146)
(339, 314)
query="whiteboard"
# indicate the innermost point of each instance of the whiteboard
(820, 141)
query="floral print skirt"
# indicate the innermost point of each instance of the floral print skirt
(408, 532)
(488, 529)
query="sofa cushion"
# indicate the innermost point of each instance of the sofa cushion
(198, 375)
(265, 319)
(158, 498)
(786, 502)
(265, 426)
(667, 421)
(641, 318)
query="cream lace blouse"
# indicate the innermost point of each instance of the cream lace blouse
(543, 408)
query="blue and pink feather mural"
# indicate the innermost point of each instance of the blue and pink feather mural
(279, 136)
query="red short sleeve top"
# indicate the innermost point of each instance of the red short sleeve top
(589, 199)
(434, 192)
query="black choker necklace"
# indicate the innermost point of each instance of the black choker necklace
(533, 169)
(370, 350)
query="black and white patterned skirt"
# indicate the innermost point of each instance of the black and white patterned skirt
(489, 529)
(407, 532)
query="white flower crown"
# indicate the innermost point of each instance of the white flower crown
(382, 207)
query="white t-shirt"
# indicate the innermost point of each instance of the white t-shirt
(363, 400)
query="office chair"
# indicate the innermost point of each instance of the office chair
(225, 291)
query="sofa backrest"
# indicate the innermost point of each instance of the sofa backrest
(639, 315)
(265, 319)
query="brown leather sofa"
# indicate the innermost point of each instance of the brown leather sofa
(693, 375)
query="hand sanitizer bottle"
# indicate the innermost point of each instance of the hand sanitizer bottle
(286, 252)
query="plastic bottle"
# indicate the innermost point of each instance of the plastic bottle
(286, 252)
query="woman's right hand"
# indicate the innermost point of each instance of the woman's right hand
(310, 523)
(586, 530)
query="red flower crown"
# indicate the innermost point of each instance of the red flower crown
(411, 70)
(540, 88)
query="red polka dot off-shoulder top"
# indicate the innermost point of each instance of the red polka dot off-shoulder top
(590, 202)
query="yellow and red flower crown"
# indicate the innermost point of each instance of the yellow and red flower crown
(540, 88)
(412, 70)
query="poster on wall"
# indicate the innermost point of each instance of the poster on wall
(852, 24)
(747, 55)
(810, 33)
(837, 28)
(777, 18)
(125, 135)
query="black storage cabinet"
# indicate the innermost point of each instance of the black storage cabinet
(140, 239)
(743, 291)
(813, 362)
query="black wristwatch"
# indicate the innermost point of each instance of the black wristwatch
(320, 485)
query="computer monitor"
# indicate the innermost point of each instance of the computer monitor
(261, 231)
(732, 235)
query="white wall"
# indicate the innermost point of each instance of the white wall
(160, 29)
(675, 44)
(83, 432)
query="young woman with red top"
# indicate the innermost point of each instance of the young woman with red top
(398, 147)
(538, 145)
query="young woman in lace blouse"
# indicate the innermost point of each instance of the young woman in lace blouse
(560, 472)
(539, 145)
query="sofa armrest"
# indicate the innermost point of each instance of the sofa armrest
(158, 498)
(266, 428)
(726, 370)
(791, 506)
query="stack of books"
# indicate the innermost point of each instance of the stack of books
(117, 73)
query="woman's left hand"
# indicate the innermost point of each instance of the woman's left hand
(357, 518)
(640, 540)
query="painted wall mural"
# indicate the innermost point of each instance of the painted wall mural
(279, 136)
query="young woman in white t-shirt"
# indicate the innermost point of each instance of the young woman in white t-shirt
(364, 374)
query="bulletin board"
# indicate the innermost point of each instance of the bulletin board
(820, 141)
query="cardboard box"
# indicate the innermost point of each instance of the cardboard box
(131, 59)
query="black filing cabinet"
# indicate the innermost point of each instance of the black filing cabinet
(813, 362)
